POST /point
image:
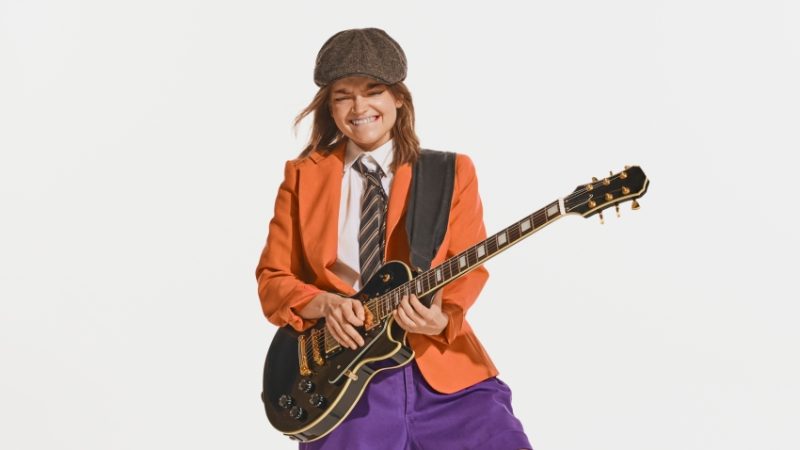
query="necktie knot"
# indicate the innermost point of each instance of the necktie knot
(372, 176)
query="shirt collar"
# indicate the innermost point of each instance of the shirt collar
(383, 155)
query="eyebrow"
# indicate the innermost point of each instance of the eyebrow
(346, 91)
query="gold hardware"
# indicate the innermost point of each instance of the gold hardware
(386, 277)
(602, 221)
(635, 205)
(351, 375)
(589, 187)
(592, 203)
(617, 207)
(623, 175)
(609, 197)
(625, 190)
(594, 179)
(315, 353)
(304, 370)
(627, 167)
(606, 181)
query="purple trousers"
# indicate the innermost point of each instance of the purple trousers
(400, 411)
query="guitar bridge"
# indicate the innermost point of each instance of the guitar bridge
(302, 356)
(315, 353)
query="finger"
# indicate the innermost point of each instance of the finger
(353, 334)
(349, 314)
(437, 298)
(405, 319)
(401, 321)
(405, 306)
(419, 309)
(358, 308)
(339, 334)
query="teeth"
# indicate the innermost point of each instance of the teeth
(364, 120)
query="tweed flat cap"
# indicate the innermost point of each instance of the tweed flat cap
(360, 51)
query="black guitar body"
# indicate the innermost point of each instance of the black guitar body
(307, 406)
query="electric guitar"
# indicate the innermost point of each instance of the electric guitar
(311, 383)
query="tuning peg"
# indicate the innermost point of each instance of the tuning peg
(594, 179)
(602, 221)
(617, 207)
(635, 205)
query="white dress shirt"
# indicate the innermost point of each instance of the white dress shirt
(348, 265)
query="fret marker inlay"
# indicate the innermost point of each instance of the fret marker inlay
(552, 211)
(502, 239)
(525, 225)
(462, 262)
(481, 251)
(438, 275)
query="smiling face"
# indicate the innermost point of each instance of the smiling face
(364, 110)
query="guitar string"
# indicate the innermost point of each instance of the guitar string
(427, 278)
(393, 296)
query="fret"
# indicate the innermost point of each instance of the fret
(491, 245)
(539, 219)
(454, 267)
(513, 233)
(552, 211)
(472, 257)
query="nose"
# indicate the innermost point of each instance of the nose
(359, 104)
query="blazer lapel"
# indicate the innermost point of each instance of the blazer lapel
(318, 207)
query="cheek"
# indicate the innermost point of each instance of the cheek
(339, 118)
(393, 117)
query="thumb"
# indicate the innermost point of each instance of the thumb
(437, 298)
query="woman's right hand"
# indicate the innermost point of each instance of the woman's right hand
(341, 315)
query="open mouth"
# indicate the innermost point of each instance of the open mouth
(364, 120)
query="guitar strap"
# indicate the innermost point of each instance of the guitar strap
(428, 209)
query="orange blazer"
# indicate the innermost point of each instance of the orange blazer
(301, 248)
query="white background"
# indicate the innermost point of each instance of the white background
(142, 147)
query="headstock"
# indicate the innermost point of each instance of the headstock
(592, 198)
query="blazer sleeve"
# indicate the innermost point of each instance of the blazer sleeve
(465, 229)
(282, 265)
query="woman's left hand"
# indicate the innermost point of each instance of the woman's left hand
(415, 317)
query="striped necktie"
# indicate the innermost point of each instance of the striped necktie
(372, 230)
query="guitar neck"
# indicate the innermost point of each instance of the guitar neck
(473, 257)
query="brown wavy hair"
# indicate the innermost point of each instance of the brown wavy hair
(325, 136)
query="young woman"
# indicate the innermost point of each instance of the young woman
(339, 214)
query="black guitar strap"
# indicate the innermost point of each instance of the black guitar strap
(428, 209)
